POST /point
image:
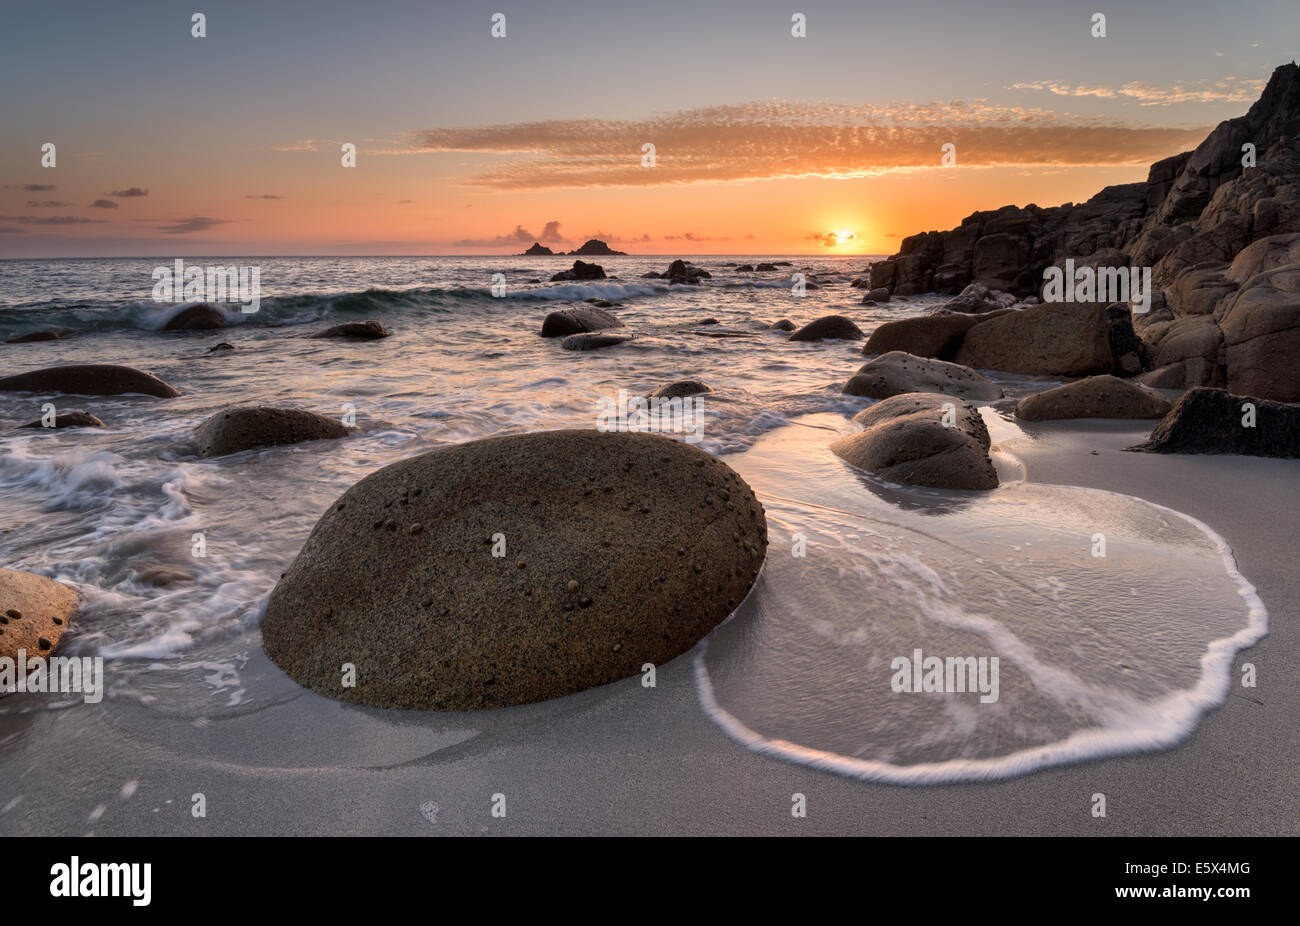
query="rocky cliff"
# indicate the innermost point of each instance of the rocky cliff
(1219, 227)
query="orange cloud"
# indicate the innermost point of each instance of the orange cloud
(783, 139)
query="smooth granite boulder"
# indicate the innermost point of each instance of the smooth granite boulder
(897, 372)
(829, 328)
(922, 439)
(89, 379)
(1102, 396)
(237, 429)
(601, 572)
(577, 320)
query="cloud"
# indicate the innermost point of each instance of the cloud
(691, 236)
(262, 196)
(196, 223)
(1227, 90)
(829, 239)
(129, 193)
(308, 145)
(785, 139)
(550, 235)
(49, 220)
(45, 204)
(103, 204)
(39, 187)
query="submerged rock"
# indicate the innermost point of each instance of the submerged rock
(34, 613)
(577, 320)
(201, 317)
(34, 336)
(239, 429)
(593, 340)
(684, 274)
(829, 328)
(69, 420)
(922, 439)
(897, 372)
(369, 330)
(783, 325)
(679, 389)
(218, 348)
(602, 572)
(1214, 421)
(89, 379)
(1102, 396)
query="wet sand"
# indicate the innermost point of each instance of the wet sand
(624, 759)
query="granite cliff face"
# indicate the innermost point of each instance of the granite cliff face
(1219, 227)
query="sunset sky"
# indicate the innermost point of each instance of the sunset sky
(170, 145)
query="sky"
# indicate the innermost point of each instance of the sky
(168, 144)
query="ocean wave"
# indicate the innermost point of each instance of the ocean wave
(273, 311)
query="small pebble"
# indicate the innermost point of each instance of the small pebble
(573, 585)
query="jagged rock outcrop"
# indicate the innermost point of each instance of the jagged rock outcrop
(598, 248)
(1198, 223)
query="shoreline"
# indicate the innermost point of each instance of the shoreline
(614, 760)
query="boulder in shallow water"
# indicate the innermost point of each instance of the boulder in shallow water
(34, 612)
(237, 429)
(679, 389)
(829, 328)
(879, 294)
(576, 320)
(1208, 420)
(89, 379)
(922, 439)
(34, 336)
(69, 420)
(581, 270)
(783, 325)
(593, 340)
(602, 572)
(369, 330)
(201, 317)
(897, 372)
(1102, 396)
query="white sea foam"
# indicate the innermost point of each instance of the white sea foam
(803, 673)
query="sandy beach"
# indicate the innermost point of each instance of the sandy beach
(621, 759)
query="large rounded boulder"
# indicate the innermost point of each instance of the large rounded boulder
(516, 569)
(89, 379)
(1102, 396)
(237, 429)
(34, 612)
(897, 372)
(922, 439)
